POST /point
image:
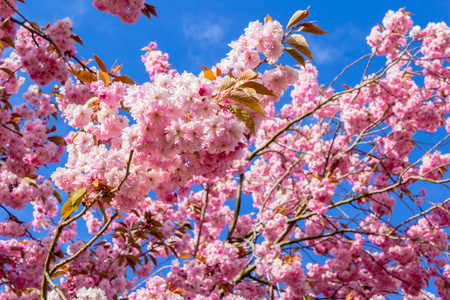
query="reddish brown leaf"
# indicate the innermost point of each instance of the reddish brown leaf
(124, 79)
(76, 38)
(151, 9)
(58, 140)
(312, 28)
(84, 76)
(297, 17)
(145, 12)
(100, 63)
(9, 72)
(8, 41)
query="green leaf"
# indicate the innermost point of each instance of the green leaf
(76, 197)
(297, 17)
(246, 100)
(297, 56)
(297, 39)
(312, 28)
(258, 87)
(243, 115)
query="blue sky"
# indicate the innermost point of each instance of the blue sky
(198, 32)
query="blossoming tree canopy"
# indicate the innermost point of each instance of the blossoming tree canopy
(237, 197)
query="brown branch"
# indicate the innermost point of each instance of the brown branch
(85, 247)
(441, 205)
(60, 227)
(238, 207)
(320, 105)
(383, 190)
(12, 130)
(126, 174)
(202, 219)
(347, 67)
(49, 279)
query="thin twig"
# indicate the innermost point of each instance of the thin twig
(12, 130)
(238, 207)
(85, 247)
(202, 219)
(62, 225)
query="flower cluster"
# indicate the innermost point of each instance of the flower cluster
(7, 8)
(247, 202)
(387, 40)
(128, 11)
(42, 65)
(60, 33)
(156, 62)
(258, 38)
(8, 30)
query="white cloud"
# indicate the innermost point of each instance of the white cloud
(325, 53)
(340, 45)
(77, 9)
(205, 32)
